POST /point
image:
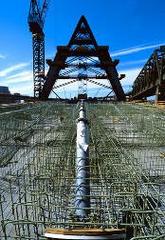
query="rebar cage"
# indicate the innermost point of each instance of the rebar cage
(37, 169)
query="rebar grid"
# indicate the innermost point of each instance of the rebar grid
(127, 170)
(129, 140)
(34, 183)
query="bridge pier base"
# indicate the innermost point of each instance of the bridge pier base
(160, 93)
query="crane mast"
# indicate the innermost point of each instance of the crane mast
(36, 21)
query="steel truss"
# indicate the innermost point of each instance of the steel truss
(83, 59)
(36, 19)
(38, 63)
(150, 80)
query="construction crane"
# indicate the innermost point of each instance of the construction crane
(36, 20)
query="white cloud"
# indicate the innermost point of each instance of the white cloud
(141, 61)
(131, 75)
(2, 56)
(20, 77)
(13, 68)
(135, 49)
(25, 89)
(20, 74)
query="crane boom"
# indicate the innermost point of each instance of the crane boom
(44, 9)
(36, 20)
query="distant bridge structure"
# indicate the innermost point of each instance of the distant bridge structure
(151, 79)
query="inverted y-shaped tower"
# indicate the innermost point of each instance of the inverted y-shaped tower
(83, 59)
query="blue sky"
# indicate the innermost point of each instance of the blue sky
(131, 28)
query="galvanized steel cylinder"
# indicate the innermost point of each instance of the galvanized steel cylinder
(82, 201)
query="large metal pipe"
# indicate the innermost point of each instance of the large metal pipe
(82, 200)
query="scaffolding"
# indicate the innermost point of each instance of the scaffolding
(38, 170)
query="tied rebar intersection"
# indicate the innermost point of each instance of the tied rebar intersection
(38, 173)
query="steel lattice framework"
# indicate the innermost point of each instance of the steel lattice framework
(151, 79)
(36, 24)
(38, 170)
(82, 59)
(38, 63)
